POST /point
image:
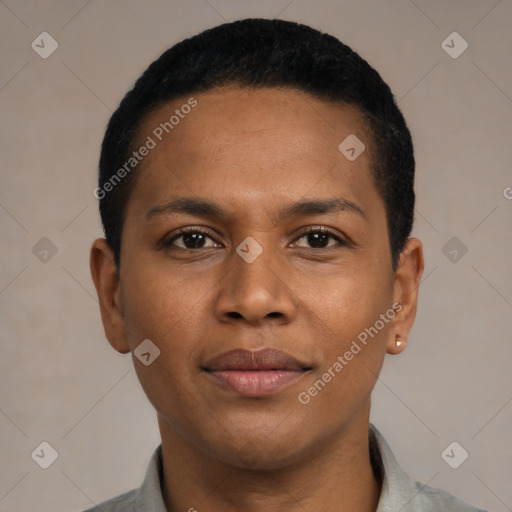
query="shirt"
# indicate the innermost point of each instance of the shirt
(399, 493)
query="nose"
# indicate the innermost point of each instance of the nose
(255, 292)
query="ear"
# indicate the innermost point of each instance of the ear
(405, 294)
(106, 280)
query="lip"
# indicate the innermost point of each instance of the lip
(255, 373)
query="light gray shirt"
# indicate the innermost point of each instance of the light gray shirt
(399, 492)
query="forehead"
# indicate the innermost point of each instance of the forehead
(237, 144)
(240, 115)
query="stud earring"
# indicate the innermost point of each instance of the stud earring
(398, 342)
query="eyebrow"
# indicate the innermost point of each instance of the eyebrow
(204, 208)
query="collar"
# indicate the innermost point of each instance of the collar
(398, 489)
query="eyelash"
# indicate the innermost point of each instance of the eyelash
(203, 231)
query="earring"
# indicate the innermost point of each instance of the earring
(398, 342)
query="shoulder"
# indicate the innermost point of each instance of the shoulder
(148, 497)
(432, 499)
(123, 503)
(400, 492)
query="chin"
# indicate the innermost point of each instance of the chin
(258, 458)
(258, 451)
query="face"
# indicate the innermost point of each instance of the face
(254, 256)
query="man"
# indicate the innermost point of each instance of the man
(257, 194)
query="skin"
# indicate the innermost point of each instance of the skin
(253, 152)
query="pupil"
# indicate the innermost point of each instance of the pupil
(195, 239)
(318, 240)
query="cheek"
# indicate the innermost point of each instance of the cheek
(161, 306)
(348, 300)
(351, 338)
(158, 305)
(351, 350)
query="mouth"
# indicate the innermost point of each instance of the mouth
(255, 373)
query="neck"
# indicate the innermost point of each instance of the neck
(337, 477)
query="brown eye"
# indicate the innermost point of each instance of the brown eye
(191, 239)
(320, 238)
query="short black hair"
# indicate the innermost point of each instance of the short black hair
(258, 53)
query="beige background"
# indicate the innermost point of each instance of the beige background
(61, 382)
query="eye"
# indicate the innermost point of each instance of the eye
(191, 238)
(319, 238)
